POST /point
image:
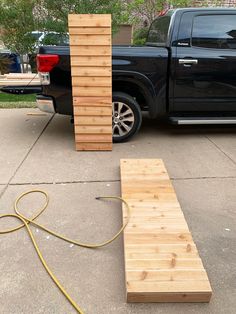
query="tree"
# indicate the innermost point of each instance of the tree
(16, 19)
(54, 15)
(143, 12)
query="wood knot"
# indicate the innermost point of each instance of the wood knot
(173, 262)
(144, 275)
(188, 248)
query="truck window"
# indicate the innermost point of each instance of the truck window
(214, 31)
(158, 32)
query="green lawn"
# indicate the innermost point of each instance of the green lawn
(17, 101)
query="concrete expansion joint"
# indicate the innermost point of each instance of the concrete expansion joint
(106, 181)
(221, 150)
(60, 182)
(202, 178)
(25, 157)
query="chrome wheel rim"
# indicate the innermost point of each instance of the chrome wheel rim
(122, 119)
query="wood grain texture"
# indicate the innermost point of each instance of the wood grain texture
(93, 146)
(92, 120)
(90, 30)
(90, 61)
(92, 111)
(91, 81)
(92, 101)
(92, 129)
(19, 79)
(90, 51)
(87, 71)
(162, 263)
(89, 20)
(90, 47)
(90, 40)
(91, 91)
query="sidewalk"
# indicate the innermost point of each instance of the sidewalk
(38, 152)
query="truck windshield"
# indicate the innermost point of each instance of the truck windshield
(158, 32)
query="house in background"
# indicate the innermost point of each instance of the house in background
(124, 35)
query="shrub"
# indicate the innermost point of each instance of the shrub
(140, 36)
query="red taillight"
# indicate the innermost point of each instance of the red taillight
(45, 63)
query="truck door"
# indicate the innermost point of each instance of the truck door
(204, 61)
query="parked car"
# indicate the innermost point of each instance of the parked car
(186, 73)
(9, 62)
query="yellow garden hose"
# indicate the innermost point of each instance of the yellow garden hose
(26, 222)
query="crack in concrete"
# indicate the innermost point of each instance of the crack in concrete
(108, 181)
(25, 157)
(221, 150)
(202, 178)
(61, 182)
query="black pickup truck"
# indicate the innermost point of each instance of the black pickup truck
(185, 72)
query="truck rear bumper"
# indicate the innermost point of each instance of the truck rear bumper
(45, 103)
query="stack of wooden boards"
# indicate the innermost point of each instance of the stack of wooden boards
(19, 79)
(161, 260)
(90, 51)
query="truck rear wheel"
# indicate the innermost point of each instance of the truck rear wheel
(126, 117)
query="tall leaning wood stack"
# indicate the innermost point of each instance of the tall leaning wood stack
(90, 50)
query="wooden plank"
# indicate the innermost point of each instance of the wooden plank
(156, 255)
(94, 138)
(92, 91)
(163, 248)
(166, 275)
(90, 30)
(169, 291)
(93, 146)
(155, 237)
(170, 286)
(92, 81)
(92, 120)
(92, 111)
(168, 297)
(19, 79)
(90, 61)
(18, 76)
(90, 71)
(90, 51)
(140, 228)
(171, 263)
(90, 39)
(92, 129)
(162, 263)
(24, 83)
(89, 20)
(92, 101)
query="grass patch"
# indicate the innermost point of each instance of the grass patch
(17, 101)
(17, 98)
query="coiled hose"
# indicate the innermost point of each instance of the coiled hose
(25, 222)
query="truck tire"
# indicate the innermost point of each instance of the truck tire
(126, 117)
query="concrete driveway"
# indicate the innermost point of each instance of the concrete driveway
(38, 152)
